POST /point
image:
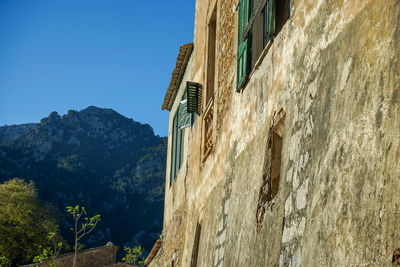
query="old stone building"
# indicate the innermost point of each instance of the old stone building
(284, 136)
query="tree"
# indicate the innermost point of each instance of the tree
(56, 247)
(24, 221)
(85, 228)
(4, 262)
(49, 252)
(134, 255)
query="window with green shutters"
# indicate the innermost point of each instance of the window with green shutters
(244, 43)
(259, 22)
(177, 148)
(182, 119)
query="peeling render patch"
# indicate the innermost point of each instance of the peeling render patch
(222, 225)
(294, 231)
(345, 73)
(301, 196)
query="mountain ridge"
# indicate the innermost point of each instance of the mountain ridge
(12, 132)
(98, 158)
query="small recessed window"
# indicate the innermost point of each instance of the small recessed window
(275, 164)
(196, 244)
(272, 168)
(208, 115)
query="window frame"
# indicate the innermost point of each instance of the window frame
(177, 145)
(251, 13)
(209, 92)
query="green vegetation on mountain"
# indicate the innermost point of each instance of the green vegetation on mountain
(100, 159)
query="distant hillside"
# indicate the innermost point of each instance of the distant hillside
(97, 158)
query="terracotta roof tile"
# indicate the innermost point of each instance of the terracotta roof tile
(177, 74)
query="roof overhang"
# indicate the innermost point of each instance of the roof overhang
(177, 74)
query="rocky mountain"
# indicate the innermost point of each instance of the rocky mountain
(12, 132)
(98, 158)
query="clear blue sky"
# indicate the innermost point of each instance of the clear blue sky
(57, 55)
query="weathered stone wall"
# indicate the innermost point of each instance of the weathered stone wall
(172, 241)
(334, 69)
(343, 166)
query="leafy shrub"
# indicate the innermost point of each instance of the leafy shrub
(134, 255)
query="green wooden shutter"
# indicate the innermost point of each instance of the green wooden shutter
(173, 150)
(185, 118)
(182, 145)
(271, 17)
(193, 91)
(244, 14)
(178, 150)
(178, 134)
(243, 60)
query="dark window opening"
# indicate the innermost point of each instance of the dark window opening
(261, 27)
(259, 30)
(196, 244)
(265, 25)
(212, 37)
(282, 13)
(276, 164)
